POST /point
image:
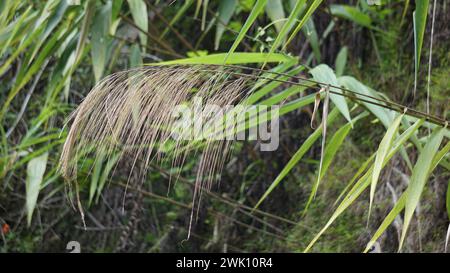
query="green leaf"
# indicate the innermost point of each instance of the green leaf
(364, 182)
(341, 61)
(398, 207)
(419, 177)
(447, 203)
(420, 21)
(287, 26)
(226, 10)
(330, 151)
(313, 38)
(356, 86)
(96, 176)
(275, 11)
(351, 13)
(135, 56)
(100, 41)
(383, 149)
(35, 173)
(314, 5)
(236, 58)
(259, 6)
(296, 157)
(139, 13)
(323, 73)
(387, 221)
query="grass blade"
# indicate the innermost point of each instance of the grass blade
(341, 61)
(383, 149)
(35, 173)
(236, 58)
(139, 13)
(226, 10)
(420, 21)
(259, 6)
(287, 26)
(275, 11)
(314, 5)
(100, 29)
(419, 177)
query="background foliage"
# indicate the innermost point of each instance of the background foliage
(53, 52)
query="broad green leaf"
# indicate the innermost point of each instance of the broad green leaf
(419, 21)
(383, 149)
(419, 177)
(139, 13)
(351, 13)
(100, 41)
(275, 11)
(259, 6)
(226, 10)
(296, 157)
(356, 86)
(324, 74)
(35, 173)
(236, 58)
(341, 61)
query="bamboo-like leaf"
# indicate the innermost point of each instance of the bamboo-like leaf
(387, 221)
(139, 13)
(383, 149)
(323, 73)
(313, 38)
(135, 56)
(226, 10)
(400, 205)
(236, 58)
(351, 13)
(314, 5)
(296, 157)
(259, 6)
(275, 11)
(35, 173)
(341, 61)
(419, 177)
(364, 182)
(287, 26)
(353, 84)
(330, 151)
(100, 30)
(420, 21)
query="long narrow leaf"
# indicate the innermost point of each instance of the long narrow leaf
(419, 177)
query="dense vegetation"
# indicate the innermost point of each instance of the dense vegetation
(380, 177)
